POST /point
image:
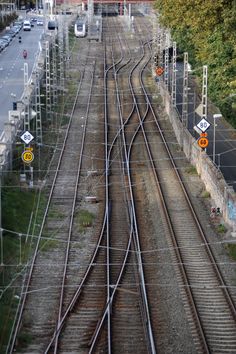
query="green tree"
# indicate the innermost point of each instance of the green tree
(207, 30)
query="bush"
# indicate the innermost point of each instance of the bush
(191, 170)
(206, 194)
(85, 218)
(232, 250)
(221, 228)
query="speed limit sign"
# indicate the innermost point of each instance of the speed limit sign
(203, 142)
(27, 156)
(203, 125)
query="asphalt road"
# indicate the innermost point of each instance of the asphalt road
(12, 69)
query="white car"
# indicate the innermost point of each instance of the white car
(39, 23)
(26, 26)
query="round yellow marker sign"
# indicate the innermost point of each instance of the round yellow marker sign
(203, 142)
(27, 156)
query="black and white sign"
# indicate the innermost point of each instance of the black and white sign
(203, 125)
(27, 137)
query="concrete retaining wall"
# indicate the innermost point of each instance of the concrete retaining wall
(222, 194)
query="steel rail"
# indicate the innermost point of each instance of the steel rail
(78, 292)
(73, 209)
(100, 324)
(136, 238)
(106, 312)
(107, 216)
(141, 272)
(109, 296)
(107, 203)
(206, 243)
(203, 338)
(23, 300)
(136, 233)
(166, 211)
(140, 262)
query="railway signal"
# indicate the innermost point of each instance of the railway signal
(159, 70)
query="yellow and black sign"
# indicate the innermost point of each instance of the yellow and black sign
(203, 142)
(27, 156)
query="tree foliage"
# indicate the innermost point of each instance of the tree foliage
(207, 30)
(7, 20)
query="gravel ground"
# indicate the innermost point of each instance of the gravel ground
(174, 334)
(169, 302)
(202, 205)
(175, 322)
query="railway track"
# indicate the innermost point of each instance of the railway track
(52, 273)
(117, 237)
(210, 306)
(190, 244)
(113, 304)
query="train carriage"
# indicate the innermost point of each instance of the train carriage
(80, 28)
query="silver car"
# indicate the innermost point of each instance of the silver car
(3, 44)
(7, 38)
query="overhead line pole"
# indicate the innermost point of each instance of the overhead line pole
(173, 85)
(166, 67)
(26, 103)
(48, 84)
(204, 92)
(185, 92)
(154, 43)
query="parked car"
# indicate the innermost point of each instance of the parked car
(7, 38)
(39, 23)
(16, 29)
(3, 43)
(52, 25)
(11, 33)
(18, 23)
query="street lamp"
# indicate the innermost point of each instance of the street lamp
(215, 116)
